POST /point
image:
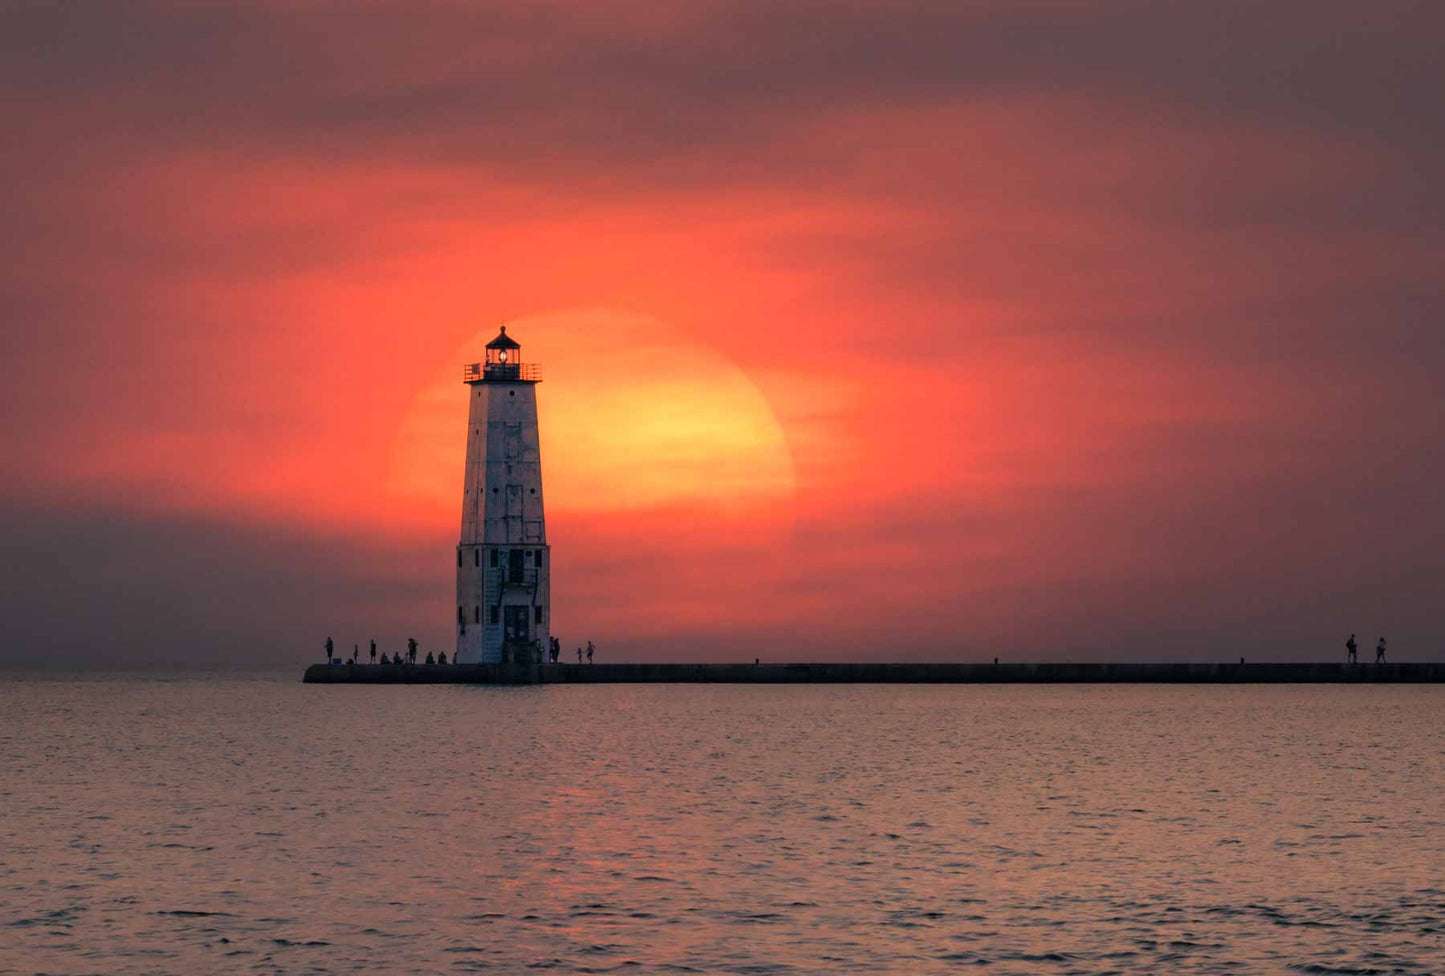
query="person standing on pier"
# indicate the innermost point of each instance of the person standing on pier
(1380, 652)
(591, 648)
(411, 650)
(579, 655)
(373, 652)
(1352, 650)
(329, 648)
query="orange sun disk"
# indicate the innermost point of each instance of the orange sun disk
(640, 423)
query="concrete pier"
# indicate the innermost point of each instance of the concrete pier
(881, 673)
(421, 674)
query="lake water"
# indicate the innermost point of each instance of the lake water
(252, 824)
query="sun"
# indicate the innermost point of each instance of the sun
(637, 417)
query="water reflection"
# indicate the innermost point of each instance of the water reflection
(195, 825)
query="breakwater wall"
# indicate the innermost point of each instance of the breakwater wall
(421, 674)
(882, 673)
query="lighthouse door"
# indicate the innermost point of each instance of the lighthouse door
(514, 623)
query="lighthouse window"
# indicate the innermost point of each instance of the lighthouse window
(478, 616)
(459, 557)
(532, 490)
(536, 615)
(494, 559)
(476, 557)
(539, 558)
(511, 393)
(461, 616)
(496, 614)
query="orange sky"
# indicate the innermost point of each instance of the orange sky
(1106, 330)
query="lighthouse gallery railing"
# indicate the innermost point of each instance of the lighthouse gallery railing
(526, 372)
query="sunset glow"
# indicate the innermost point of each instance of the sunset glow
(859, 337)
(651, 418)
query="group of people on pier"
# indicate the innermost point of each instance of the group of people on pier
(407, 657)
(1352, 651)
(554, 653)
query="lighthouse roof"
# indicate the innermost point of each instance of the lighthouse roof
(504, 341)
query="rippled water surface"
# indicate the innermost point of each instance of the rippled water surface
(224, 824)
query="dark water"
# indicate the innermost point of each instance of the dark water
(242, 825)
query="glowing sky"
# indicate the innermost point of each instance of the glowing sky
(907, 330)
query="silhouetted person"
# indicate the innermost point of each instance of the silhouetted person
(329, 648)
(383, 658)
(443, 658)
(590, 649)
(1352, 651)
(430, 659)
(757, 661)
(411, 649)
(1380, 652)
(579, 655)
(995, 660)
(373, 652)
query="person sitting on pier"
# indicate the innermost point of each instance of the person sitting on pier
(383, 658)
(429, 658)
(443, 658)
(1380, 652)
(1352, 651)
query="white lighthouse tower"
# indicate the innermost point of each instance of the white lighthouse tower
(503, 563)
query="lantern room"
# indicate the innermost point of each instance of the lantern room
(503, 362)
(503, 351)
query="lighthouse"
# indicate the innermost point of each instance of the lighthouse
(503, 563)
